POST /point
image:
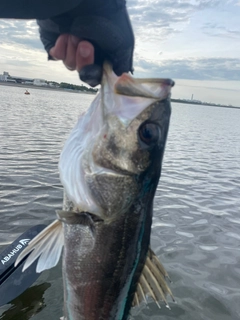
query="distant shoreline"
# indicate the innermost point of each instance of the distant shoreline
(204, 104)
(84, 92)
(29, 87)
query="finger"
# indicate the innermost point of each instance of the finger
(91, 74)
(84, 55)
(70, 59)
(59, 51)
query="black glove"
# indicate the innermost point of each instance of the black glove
(105, 23)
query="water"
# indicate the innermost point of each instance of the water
(196, 227)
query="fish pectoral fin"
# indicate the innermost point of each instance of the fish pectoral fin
(47, 246)
(152, 282)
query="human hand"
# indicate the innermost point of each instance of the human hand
(77, 54)
(74, 52)
(106, 26)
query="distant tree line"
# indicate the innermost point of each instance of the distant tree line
(75, 87)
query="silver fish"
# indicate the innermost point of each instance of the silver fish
(109, 167)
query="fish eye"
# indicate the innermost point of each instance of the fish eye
(149, 133)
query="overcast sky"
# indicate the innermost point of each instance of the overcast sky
(194, 42)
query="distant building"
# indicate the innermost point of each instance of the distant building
(28, 82)
(11, 80)
(40, 82)
(8, 78)
(197, 101)
(53, 84)
(4, 76)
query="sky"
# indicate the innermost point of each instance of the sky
(194, 42)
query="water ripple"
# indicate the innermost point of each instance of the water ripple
(196, 223)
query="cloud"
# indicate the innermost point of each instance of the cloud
(20, 32)
(216, 30)
(190, 68)
(164, 18)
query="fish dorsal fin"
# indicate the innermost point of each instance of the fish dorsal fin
(47, 246)
(152, 282)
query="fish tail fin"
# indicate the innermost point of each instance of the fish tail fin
(47, 246)
(152, 282)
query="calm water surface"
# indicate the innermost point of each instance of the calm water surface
(196, 227)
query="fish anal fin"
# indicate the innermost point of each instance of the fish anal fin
(152, 282)
(158, 264)
(47, 246)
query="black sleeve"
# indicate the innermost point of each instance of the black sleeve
(105, 23)
(35, 9)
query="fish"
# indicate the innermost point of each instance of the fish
(109, 168)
